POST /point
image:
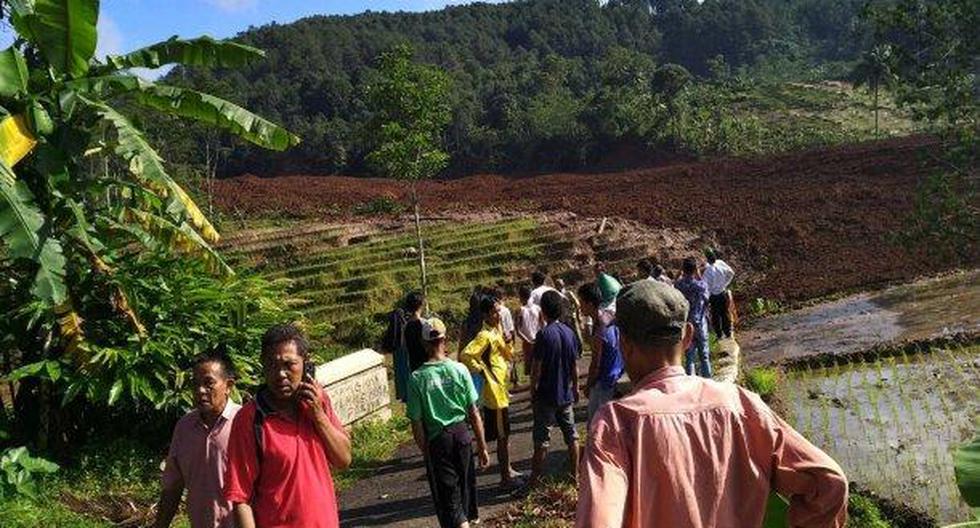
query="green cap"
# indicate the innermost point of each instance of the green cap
(609, 287)
(651, 312)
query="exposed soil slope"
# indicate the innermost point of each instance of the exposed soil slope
(809, 223)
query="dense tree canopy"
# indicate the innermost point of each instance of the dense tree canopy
(537, 84)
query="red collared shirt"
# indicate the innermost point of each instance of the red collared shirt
(688, 451)
(292, 486)
(196, 461)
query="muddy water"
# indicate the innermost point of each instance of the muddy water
(892, 424)
(920, 310)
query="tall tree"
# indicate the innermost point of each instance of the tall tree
(411, 109)
(935, 50)
(875, 70)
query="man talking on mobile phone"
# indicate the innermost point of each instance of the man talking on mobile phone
(284, 442)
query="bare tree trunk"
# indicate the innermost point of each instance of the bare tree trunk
(876, 110)
(418, 235)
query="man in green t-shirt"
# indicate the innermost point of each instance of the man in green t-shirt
(441, 397)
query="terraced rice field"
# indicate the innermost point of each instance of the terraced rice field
(892, 423)
(350, 276)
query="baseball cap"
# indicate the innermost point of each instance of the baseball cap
(651, 312)
(433, 329)
(609, 287)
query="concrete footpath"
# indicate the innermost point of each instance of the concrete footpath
(397, 494)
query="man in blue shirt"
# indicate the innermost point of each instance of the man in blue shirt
(607, 365)
(554, 384)
(695, 290)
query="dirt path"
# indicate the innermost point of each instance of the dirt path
(397, 495)
(920, 310)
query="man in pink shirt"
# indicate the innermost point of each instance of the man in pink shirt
(199, 448)
(688, 451)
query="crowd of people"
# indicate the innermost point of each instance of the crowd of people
(676, 449)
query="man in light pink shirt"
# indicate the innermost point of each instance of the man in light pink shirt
(199, 449)
(684, 451)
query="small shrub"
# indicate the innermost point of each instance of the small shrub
(762, 381)
(760, 306)
(19, 472)
(379, 206)
(863, 512)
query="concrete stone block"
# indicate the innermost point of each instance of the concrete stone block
(357, 385)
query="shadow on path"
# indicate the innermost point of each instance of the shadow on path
(396, 493)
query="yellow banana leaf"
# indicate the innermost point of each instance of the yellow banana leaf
(16, 139)
(70, 324)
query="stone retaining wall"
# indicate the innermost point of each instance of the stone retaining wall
(357, 385)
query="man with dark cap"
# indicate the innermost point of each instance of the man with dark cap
(688, 451)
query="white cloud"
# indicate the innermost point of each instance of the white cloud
(233, 5)
(110, 37)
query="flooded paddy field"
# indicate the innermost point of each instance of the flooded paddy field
(892, 423)
(922, 310)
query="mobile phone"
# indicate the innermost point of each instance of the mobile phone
(309, 371)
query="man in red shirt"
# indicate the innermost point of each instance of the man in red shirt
(283, 443)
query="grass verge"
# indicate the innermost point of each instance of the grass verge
(115, 482)
(374, 442)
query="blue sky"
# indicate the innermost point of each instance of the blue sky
(125, 25)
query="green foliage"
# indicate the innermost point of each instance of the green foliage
(760, 306)
(934, 54)
(379, 206)
(63, 31)
(777, 510)
(411, 109)
(544, 84)
(111, 480)
(76, 212)
(374, 442)
(19, 472)
(186, 310)
(966, 462)
(945, 215)
(863, 512)
(201, 51)
(762, 380)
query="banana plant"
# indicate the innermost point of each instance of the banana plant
(63, 117)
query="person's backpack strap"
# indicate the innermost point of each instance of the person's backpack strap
(262, 409)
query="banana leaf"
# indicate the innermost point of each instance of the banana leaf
(218, 112)
(22, 230)
(966, 465)
(146, 165)
(203, 51)
(63, 30)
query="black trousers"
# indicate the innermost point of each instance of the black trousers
(452, 476)
(721, 320)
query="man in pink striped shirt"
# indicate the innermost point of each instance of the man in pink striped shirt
(685, 451)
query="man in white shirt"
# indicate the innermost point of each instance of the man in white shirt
(528, 324)
(718, 275)
(538, 279)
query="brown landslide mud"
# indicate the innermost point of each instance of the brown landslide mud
(809, 223)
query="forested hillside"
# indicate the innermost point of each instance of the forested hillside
(537, 84)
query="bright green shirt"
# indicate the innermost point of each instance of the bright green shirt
(440, 394)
